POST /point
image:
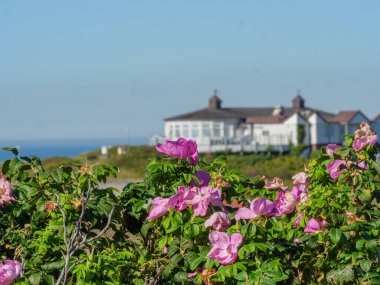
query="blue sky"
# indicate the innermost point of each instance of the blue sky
(97, 69)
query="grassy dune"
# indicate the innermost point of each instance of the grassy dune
(132, 164)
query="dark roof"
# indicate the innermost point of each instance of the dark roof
(343, 116)
(374, 119)
(263, 115)
(229, 113)
(206, 114)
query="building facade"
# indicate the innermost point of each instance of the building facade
(217, 128)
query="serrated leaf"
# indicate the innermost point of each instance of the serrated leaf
(341, 275)
(57, 175)
(335, 235)
(365, 265)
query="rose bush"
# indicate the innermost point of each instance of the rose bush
(192, 221)
(326, 230)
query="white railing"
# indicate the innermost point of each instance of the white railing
(277, 143)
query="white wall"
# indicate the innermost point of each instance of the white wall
(234, 132)
(323, 132)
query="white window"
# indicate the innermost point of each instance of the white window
(194, 131)
(177, 131)
(206, 130)
(185, 131)
(170, 131)
(216, 130)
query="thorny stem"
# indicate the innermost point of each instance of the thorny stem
(74, 243)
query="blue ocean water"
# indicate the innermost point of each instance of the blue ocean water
(67, 148)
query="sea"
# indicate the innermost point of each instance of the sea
(63, 148)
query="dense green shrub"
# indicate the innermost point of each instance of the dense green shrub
(196, 222)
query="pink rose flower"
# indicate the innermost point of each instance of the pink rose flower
(9, 270)
(224, 247)
(181, 203)
(200, 197)
(362, 164)
(297, 220)
(161, 206)
(315, 226)
(300, 193)
(259, 206)
(5, 191)
(335, 169)
(276, 183)
(220, 221)
(285, 204)
(180, 148)
(330, 149)
(301, 180)
(204, 179)
(363, 137)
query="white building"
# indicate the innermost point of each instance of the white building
(257, 129)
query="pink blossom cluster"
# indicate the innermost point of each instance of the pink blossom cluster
(181, 148)
(338, 166)
(312, 225)
(363, 137)
(286, 201)
(9, 270)
(198, 196)
(5, 191)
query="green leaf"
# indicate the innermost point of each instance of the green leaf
(195, 229)
(41, 204)
(335, 235)
(163, 241)
(341, 275)
(146, 227)
(35, 278)
(360, 243)
(12, 149)
(371, 245)
(242, 276)
(53, 265)
(57, 175)
(364, 197)
(365, 265)
(195, 262)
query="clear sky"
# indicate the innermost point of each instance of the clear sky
(95, 69)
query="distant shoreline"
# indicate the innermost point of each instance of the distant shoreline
(63, 148)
